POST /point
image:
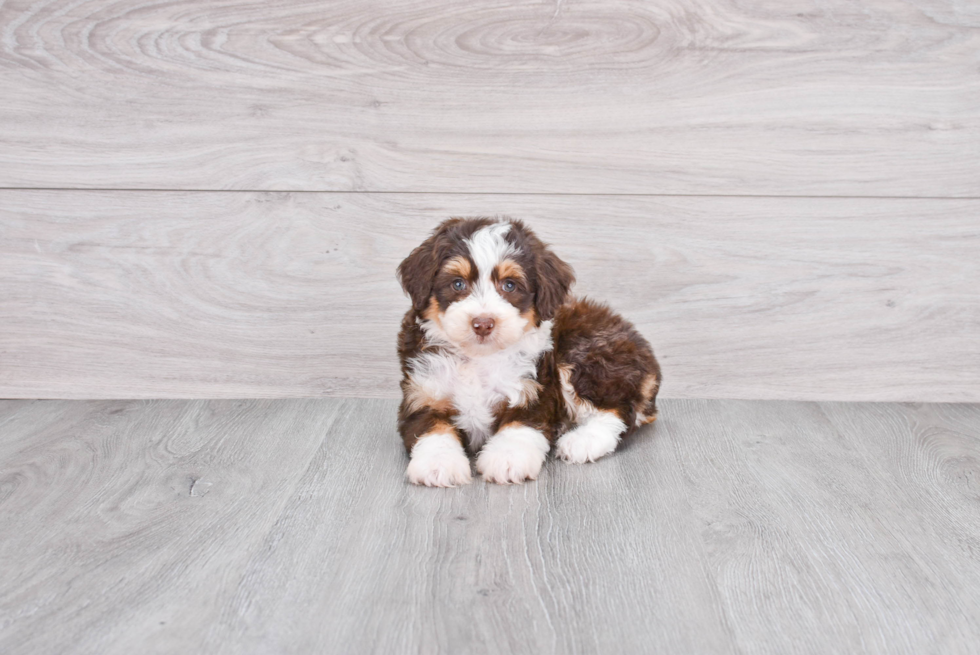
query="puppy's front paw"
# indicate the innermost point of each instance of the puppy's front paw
(438, 460)
(513, 455)
(598, 436)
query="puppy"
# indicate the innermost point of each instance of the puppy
(497, 357)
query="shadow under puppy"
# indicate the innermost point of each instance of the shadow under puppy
(498, 358)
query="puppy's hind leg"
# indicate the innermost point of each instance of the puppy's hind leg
(595, 435)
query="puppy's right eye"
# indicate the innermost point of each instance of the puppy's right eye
(459, 284)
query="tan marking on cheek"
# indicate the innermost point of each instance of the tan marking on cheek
(510, 269)
(432, 313)
(458, 266)
(531, 316)
(417, 399)
(649, 388)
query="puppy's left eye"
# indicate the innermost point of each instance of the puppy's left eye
(459, 284)
(508, 286)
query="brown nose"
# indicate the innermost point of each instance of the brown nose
(483, 325)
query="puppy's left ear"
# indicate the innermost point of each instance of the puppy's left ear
(417, 272)
(554, 278)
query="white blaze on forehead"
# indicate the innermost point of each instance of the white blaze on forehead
(488, 247)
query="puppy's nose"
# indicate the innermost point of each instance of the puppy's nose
(483, 325)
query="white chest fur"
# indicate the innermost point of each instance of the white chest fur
(477, 385)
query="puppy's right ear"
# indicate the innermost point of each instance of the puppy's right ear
(419, 269)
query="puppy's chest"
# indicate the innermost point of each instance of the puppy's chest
(478, 386)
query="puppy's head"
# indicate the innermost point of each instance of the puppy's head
(482, 283)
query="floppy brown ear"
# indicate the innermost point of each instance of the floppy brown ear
(554, 278)
(419, 269)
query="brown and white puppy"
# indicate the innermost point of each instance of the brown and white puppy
(498, 358)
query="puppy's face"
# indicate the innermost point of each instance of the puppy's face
(481, 283)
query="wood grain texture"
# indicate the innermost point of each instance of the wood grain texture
(870, 98)
(137, 294)
(286, 526)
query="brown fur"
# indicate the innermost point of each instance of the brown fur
(431, 313)
(609, 365)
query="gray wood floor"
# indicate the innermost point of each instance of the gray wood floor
(285, 526)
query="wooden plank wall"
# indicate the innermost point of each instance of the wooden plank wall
(209, 199)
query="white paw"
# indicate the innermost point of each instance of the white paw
(438, 460)
(513, 455)
(597, 436)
